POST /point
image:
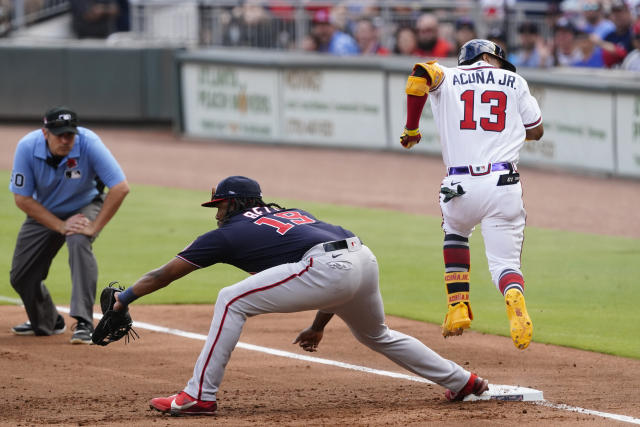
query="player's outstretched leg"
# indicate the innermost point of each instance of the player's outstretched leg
(520, 324)
(456, 280)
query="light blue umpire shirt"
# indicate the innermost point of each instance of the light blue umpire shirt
(72, 184)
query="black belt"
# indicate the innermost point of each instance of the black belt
(336, 245)
(466, 170)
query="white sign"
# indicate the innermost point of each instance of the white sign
(628, 126)
(221, 101)
(345, 108)
(577, 130)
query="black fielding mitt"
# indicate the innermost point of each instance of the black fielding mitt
(114, 325)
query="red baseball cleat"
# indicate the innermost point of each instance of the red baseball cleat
(183, 404)
(475, 385)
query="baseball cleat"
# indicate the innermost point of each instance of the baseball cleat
(26, 328)
(457, 319)
(81, 333)
(475, 385)
(519, 321)
(183, 404)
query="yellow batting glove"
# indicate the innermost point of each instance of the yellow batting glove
(409, 138)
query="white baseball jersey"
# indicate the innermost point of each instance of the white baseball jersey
(481, 113)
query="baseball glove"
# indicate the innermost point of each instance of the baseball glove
(114, 325)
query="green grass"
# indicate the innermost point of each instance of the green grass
(580, 287)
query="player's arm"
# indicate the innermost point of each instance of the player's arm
(310, 337)
(534, 134)
(154, 280)
(423, 77)
(112, 203)
(35, 210)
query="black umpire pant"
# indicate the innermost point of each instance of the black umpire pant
(36, 246)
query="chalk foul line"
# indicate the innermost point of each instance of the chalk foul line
(494, 389)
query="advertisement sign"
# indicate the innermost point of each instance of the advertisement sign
(345, 108)
(628, 127)
(577, 130)
(220, 101)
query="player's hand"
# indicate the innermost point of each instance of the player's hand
(75, 224)
(409, 138)
(309, 339)
(89, 229)
(117, 306)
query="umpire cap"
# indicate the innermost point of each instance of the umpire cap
(234, 187)
(61, 120)
(471, 50)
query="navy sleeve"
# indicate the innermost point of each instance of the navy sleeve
(208, 249)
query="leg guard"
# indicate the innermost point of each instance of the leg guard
(459, 314)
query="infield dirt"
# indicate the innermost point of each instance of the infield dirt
(45, 380)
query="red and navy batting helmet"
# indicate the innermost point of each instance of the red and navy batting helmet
(471, 50)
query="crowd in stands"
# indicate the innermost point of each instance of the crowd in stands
(578, 33)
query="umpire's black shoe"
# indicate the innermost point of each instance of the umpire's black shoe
(26, 329)
(81, 332)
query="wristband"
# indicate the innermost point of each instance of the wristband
(412, 132)
(127, 296)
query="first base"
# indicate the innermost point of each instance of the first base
(510, 393)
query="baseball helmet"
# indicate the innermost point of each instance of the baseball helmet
(471, 50)
(234, 187)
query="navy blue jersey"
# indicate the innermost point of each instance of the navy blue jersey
(260, 238)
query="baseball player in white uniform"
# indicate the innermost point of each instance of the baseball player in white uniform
(484, 112)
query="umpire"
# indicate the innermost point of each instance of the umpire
(58, 177)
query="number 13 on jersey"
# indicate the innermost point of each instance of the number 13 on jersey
(498, 102)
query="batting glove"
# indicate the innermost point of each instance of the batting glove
(409, 138)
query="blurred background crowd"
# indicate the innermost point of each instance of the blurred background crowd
(535, 33)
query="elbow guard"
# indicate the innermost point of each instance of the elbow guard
(416, 86)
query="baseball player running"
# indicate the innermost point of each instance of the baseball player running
(484, 112)
(297, 263)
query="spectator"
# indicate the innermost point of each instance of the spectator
(497, 36)
(94, 18)
(565, 51)
(368, 40)
(430, 45)
(59, 173)
(533, 52)
(632, 60)
(622, 35)
(591, 55)
(595, 22)
(309, 43)
(123, 23)
(465, 31)
(256, 26)
(5, 17)
(406, 42)
(331, 40)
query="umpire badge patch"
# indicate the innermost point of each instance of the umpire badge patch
(72, 174)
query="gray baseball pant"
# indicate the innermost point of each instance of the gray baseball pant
(36, 246)
(343, 282)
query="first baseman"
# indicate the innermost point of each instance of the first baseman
(297, 263)
(59, 174)
(484, 112)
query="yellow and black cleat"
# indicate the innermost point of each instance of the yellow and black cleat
(520, 323)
